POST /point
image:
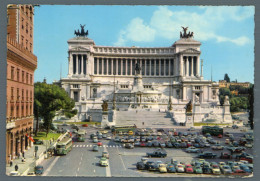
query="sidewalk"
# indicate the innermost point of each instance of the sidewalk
(30, 160)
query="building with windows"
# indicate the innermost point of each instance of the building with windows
(225, 84)
(143, 79)
(21, 64)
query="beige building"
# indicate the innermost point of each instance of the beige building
(152, 79)
(225, 84)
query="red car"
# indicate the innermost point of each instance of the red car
(84, 125)
(225, 155)
(188, 168)
(175, 133)
(142, 144)
(247, 158)
(220, 136)
(99, 143)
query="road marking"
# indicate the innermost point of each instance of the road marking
(50, 167)
(77, 146)
(113, 146)
(74, 145)
(110, 146)
(94, 171)
(90, 145)
(84, 146)
(80, 145)
(87, 145)
(78, 168)
(108, 171)
(121, 159)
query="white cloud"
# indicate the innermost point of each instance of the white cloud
(206, 24)
(136, 31)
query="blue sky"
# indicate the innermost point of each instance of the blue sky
(226, 33)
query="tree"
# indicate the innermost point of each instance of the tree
(50, 98)
(251, 106)
(222, 93)
(37, 107)
(226, 78)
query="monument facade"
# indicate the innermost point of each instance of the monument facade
(141, 78)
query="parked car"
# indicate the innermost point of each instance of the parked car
(179, 168)
(215, 169)
(38, 142)
(188, 168)
(95, 148)
(95, 140)
(247, 158)
(207, 155)
(84, 125)
(206, 168)
(245, 168)
(103, 161)
(105, 154)
(225, 155)
(129, 145)
(14, 173)
(157, 153)
(38, 170)
(162, 168)
(217, 147)
(99, 143)
(198, 169)
(150, 165)
(226, 169)
(171, 168)
(140, 165)
(192, 150)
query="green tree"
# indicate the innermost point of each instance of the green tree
(251, 106)
(222, 93)
(226, 78)
(50, 98)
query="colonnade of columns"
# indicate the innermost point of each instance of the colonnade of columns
(78, 64)
(190, 66)
(126, 66)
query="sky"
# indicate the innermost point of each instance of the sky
(226, 34)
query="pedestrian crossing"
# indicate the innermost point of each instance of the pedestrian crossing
(89, 146)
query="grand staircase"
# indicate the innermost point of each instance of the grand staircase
(152, 118)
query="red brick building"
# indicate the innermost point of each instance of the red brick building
(21, 64)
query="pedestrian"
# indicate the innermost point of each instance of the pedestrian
(23, 153)
(16, 167)
(18, 155)
(143, 123)
(11, 163)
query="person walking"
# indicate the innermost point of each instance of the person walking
(18, 155)
(16, 167)
(11, 163)
(23, 154)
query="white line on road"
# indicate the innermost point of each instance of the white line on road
(77, 146)
(87, 145)
(80, 145)
(90, 145)
(94, 171)
(84, 145)
(108, 171)
(74, 145)
(50, 167)
(121, 159)
(78, 168)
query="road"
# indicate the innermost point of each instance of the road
(82, 161)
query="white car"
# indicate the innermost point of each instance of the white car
(14, 173)
(103, 161)
(108, 138)
(180, 168)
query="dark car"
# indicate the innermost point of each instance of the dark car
(224, 155)
(157, 153)
(150, 165)
(171, 168)
(38, 170)
(140, 166)
(245, 168)
(206, 168)
(129, 146)
(38, 142)
(242, 155)
(207, 155)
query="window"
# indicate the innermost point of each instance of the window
(18, 96)
(12, 93)
(12, 111)
(27, 98)
(22, 23)
(31, 80)
(30, 31)
(26, 113)
(22, 94)
(22, 111)
(22, 40)
(18, 75)
(17, 111)
(30, 47)
(22, 76)
(27, 78)
(26, 27)
(12, 73)
(124, 86)
(26, 46)
(75, 85)
(30, 95)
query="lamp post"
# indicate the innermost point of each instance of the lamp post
(114, 97)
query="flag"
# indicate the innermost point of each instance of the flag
(30, 138)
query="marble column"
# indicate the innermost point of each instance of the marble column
(112, 66)
(187, 66)
(77, 64)
(154, 63)
(198, 65)
(181, 65)
(160, 67)
(97, 66)
(164, 67)
(107, 66)
(81, 64)
(102, 66)
(116, 66)
(169, 68)
(126, 63)
(145, 63)
(130, 66)
(150, 67)
(192, 61)
(70, 64)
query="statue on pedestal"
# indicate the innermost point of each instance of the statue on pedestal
(138, 68)
(104, 106)
(226, 101)
(189, 107)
